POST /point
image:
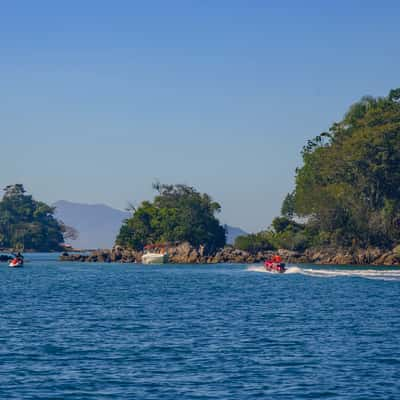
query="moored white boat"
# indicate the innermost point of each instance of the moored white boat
(154, 258)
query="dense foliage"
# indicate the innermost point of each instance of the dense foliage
(254, 242)
(284, 233)
(349, 186)
(26, 223)
(348, 189)
(178, 213)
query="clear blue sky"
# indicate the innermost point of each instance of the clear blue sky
(100, 98)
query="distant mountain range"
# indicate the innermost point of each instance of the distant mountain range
(232, 233)
(99, 224)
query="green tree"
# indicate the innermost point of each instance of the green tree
(288, 206)
(26, 223)
(348, 190)
(254, 242)
(178, 213)
(349, 184)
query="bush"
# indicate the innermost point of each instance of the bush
(254, 243)
(178, 214)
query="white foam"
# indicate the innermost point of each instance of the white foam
(361, 273)
(388, 275)
(289, 270)
(293, 270)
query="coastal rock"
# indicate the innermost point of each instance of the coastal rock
(389, 258)
(116, 253)
(77, 257)
(184, 253)
(343, 256)
(367, 256)
(181, 254)
(287, 255)
(343, 259)
(396, 250)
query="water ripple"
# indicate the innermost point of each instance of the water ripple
(79, 331)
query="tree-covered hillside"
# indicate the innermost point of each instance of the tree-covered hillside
(349, 185)
(347, 192)
(28, 224)
(178, 213)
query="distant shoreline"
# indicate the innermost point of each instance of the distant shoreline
(186, 254)
(30, 251)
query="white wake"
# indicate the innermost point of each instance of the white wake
(378, 273)
(289, 270)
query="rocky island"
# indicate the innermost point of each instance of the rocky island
(344, 208)
(187, 254)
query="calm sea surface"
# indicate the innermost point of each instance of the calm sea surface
(111, 331)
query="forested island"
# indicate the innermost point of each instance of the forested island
(29, 225)
(347, 193)
(345, 206)
(179, 213)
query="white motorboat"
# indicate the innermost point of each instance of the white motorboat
(154, 258)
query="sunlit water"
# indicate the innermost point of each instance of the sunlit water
(111, 331)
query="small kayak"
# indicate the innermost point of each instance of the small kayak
(16, 262)
(275, 266)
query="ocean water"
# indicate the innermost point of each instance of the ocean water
(112, 331)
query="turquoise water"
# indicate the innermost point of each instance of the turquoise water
(111, 331)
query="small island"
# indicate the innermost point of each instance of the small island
(344, 209)
(29, 225)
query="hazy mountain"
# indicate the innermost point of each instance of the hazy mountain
(233, 233)
(98, 224)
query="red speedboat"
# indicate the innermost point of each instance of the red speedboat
(275, 264)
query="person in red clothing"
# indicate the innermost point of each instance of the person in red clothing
(277, 259)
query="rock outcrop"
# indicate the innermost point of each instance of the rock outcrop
(184, 253)
(343, 256)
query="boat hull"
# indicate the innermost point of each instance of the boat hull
(17, 264)
(275, 267)
(154, 258)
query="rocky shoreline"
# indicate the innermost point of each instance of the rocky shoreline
(343, 256)
(181, 254)
(186, 254)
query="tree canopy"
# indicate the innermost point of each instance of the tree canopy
(178, 213)
(348, 188)
(347, 192)
(26, 223)
(284, 233)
